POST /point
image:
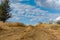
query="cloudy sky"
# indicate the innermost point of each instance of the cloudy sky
(34, 11)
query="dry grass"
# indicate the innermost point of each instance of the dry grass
(16, 24)
(11, 26)
(20, 31)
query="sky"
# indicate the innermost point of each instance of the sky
(34, 11)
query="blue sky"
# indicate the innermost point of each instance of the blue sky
(34, 11)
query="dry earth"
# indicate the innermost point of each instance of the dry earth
(19, 31)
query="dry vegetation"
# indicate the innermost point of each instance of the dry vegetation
(20, 31)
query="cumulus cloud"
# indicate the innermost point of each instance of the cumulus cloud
(54, 4)
(28, 11)
(58, 18)
(24, 11)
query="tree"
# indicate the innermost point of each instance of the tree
(51, 21)
(5, 11)
(58, 22)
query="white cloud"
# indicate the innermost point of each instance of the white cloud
(16, 1)
(58, 18)
(28, 11)
(55, 4)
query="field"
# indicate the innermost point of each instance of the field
(20, 31)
